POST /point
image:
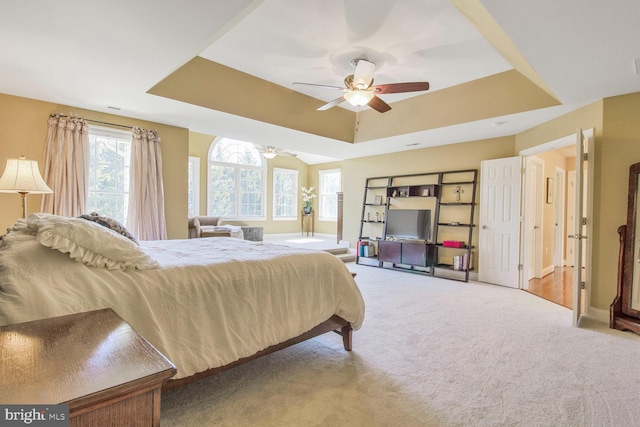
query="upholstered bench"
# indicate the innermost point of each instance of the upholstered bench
(210, 226)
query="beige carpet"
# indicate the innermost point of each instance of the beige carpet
(432, 352)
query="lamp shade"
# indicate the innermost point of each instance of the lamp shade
(358, 98)
(22, 176)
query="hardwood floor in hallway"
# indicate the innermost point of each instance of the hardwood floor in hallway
(555, 287)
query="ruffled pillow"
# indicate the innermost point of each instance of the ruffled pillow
(90, 243)
(110, 223)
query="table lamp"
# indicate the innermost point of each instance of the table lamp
(22, 176)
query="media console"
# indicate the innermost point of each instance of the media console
(421, 223)
(408, 252)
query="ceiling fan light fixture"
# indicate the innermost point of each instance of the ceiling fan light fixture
(359, 98)
(269, 152)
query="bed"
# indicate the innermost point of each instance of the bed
(206, 304)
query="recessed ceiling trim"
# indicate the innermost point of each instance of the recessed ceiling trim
(217, 87)
(487, 25)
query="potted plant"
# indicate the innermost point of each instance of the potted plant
(307, 196)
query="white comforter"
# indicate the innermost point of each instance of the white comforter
(211, 302)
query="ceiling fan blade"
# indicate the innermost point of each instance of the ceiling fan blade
(318, 85)
(401, 87)
(379, 105)
(331, 104)
(363, 76)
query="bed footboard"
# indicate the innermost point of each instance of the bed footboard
(334, 324)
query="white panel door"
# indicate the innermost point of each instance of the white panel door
(499, 238)
(533, 213)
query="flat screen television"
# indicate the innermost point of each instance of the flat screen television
(409, 224)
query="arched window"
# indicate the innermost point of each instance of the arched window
(237, 180)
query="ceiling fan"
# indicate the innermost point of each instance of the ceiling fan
(359, 90)
(269, 152)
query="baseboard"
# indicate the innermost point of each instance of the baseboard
(298, 235)
(597, 314)
(548, 270)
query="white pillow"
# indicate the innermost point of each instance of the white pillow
(90, 243)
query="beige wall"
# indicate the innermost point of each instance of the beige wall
(617, 146)
(199, 145)
(23, 128)
(617, 142)
(466, 155)
(354, 171)
(618, 149)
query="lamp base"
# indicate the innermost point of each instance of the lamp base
(23, 194)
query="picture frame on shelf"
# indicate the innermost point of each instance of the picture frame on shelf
(426, 192)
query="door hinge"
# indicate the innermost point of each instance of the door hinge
(583, 285)
(584, 221)
(520, 267)
(585, 156)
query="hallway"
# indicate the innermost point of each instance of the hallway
(555, 287)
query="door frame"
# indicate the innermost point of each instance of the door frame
(589, 134)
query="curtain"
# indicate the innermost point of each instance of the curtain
(146, 196)
(66, 165)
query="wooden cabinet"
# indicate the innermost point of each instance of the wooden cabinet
(94, 362)
(412, 254)
(447, 248)
(390, 251)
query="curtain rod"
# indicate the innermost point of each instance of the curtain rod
(102, 123)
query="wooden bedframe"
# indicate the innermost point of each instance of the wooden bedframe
(333, 324)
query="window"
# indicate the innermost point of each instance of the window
(327, 197)
(236, 184)
(285, 194)
(194, 186)
(109, 159)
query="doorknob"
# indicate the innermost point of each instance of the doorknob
(535, 227)
(484, 227)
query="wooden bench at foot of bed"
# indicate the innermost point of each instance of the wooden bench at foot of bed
(333, 324)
